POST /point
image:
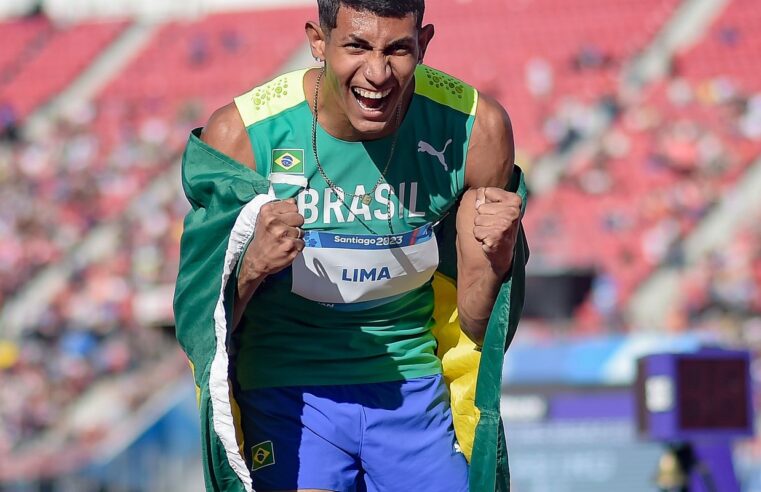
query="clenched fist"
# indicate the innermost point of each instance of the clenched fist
(496, 225)
(277, 242)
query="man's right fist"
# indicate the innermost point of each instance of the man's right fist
(277, 242)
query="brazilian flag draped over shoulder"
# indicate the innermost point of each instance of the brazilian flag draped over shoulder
(223, 195)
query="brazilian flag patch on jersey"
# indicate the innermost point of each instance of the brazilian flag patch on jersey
(288, 161)
(262, 454)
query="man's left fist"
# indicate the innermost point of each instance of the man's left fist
(498, 214)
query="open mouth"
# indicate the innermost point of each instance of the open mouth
(371, 101)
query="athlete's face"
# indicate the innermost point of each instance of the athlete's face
(370, 66)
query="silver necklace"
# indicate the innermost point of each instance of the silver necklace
(366, 198)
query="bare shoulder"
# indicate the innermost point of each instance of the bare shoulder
(491, 153)
(226, 132)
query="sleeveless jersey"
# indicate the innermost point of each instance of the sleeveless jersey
(356, 306)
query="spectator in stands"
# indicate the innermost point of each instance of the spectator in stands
(605, 297)
(591, 57)
(750, 121)
(231, 41)
(198, 49)
(729, 35)
(539, 79)
(9, 125)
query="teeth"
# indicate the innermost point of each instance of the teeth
(372, 94)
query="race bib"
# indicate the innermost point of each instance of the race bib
(352, 272)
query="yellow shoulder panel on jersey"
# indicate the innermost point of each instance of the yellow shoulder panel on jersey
(445, 89)
(271, 98)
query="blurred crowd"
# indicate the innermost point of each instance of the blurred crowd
(107, 322)
(58, 186)
(665, 157)
(723, 290)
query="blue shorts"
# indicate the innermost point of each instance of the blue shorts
(367, 437)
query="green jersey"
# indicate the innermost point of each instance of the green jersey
(356, 306)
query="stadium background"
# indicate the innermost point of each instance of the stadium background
(638, 123)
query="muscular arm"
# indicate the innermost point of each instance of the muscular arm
(226, 132)
(487, 220)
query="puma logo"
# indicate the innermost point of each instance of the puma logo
(428, 149)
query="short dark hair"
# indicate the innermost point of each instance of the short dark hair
(385, 8)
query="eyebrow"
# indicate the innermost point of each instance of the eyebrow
(405, 41)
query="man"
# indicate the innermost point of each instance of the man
(326, 322)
